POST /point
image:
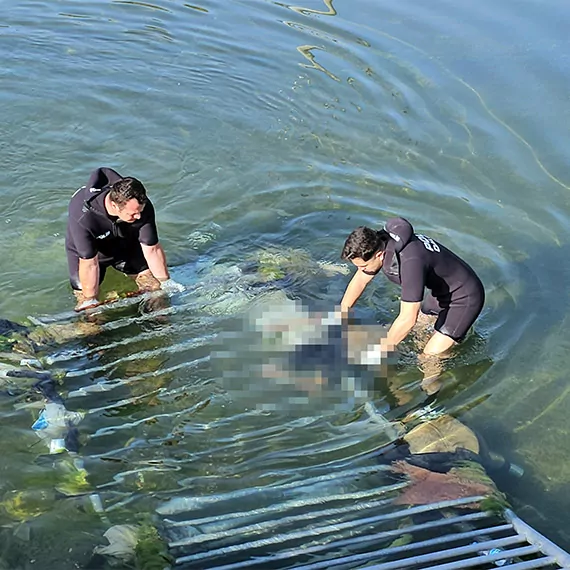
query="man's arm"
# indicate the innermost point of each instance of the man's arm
(154, 254)
(81, 243)
(89, 277)
(354, 289)
(401, 327)
(88, 273)
(156, 259)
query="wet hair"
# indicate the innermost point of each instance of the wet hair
(126, 189)
(364, 242)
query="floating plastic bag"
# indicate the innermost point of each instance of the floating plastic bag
(122, 542)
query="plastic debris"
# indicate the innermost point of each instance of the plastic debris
(56, 426)
(122, 542)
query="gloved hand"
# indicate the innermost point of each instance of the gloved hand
(87, 304)
(332, 318)
(372, 356)
(170, 286)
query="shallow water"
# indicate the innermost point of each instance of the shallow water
(260, 124)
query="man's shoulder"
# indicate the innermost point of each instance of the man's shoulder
(79, 194)
(148, 213)
(414, 249)
(82, 204)
(77, 202)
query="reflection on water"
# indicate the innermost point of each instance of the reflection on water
(328, 3)
(307, 51)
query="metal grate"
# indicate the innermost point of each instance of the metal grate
(355, 534)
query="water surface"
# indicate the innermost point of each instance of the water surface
(257, 125)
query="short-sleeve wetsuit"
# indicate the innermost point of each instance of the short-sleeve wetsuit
(92, 231)
(418, 262)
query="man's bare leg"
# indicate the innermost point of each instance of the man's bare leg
(439, 344)
(423, 329)
(431, 367)
(79, 296)
(431, 361)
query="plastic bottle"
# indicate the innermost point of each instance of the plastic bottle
(54, 423)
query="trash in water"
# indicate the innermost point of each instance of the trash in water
(122, 542)
(501, 562)
(56, 426)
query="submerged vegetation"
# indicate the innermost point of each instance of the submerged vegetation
(151, 552)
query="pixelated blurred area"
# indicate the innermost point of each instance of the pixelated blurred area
(287, 354)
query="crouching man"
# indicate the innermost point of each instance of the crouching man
(435, 282)
(111, 223)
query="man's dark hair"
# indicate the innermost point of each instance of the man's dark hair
(364, 242)
(126, 189)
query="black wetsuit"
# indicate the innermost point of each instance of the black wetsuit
(416, 262)
(92, 231)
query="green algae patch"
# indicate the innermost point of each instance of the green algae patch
(27, 505)
(276, 264)
(495, 501)
(403, 540)
(74, 483)
(150, 551)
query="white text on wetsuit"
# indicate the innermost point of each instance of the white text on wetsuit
(429, 244)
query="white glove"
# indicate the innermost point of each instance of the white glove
(88, 304)
(332, 319)
(372, 356)
(170, 286)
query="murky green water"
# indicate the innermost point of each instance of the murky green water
(257, 125)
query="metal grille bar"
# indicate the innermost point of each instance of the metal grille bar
(468, 538)
(533, 537)
(320, 530)
(304, 551)
(403, 549)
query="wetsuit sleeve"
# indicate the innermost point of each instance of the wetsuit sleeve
(83, 240)
(148, 233)
(413, 279)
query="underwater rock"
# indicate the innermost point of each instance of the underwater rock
(428, 487)
(444, 434)
(8, 327)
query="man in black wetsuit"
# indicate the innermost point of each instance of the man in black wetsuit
(416, 262)
(111, 223)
